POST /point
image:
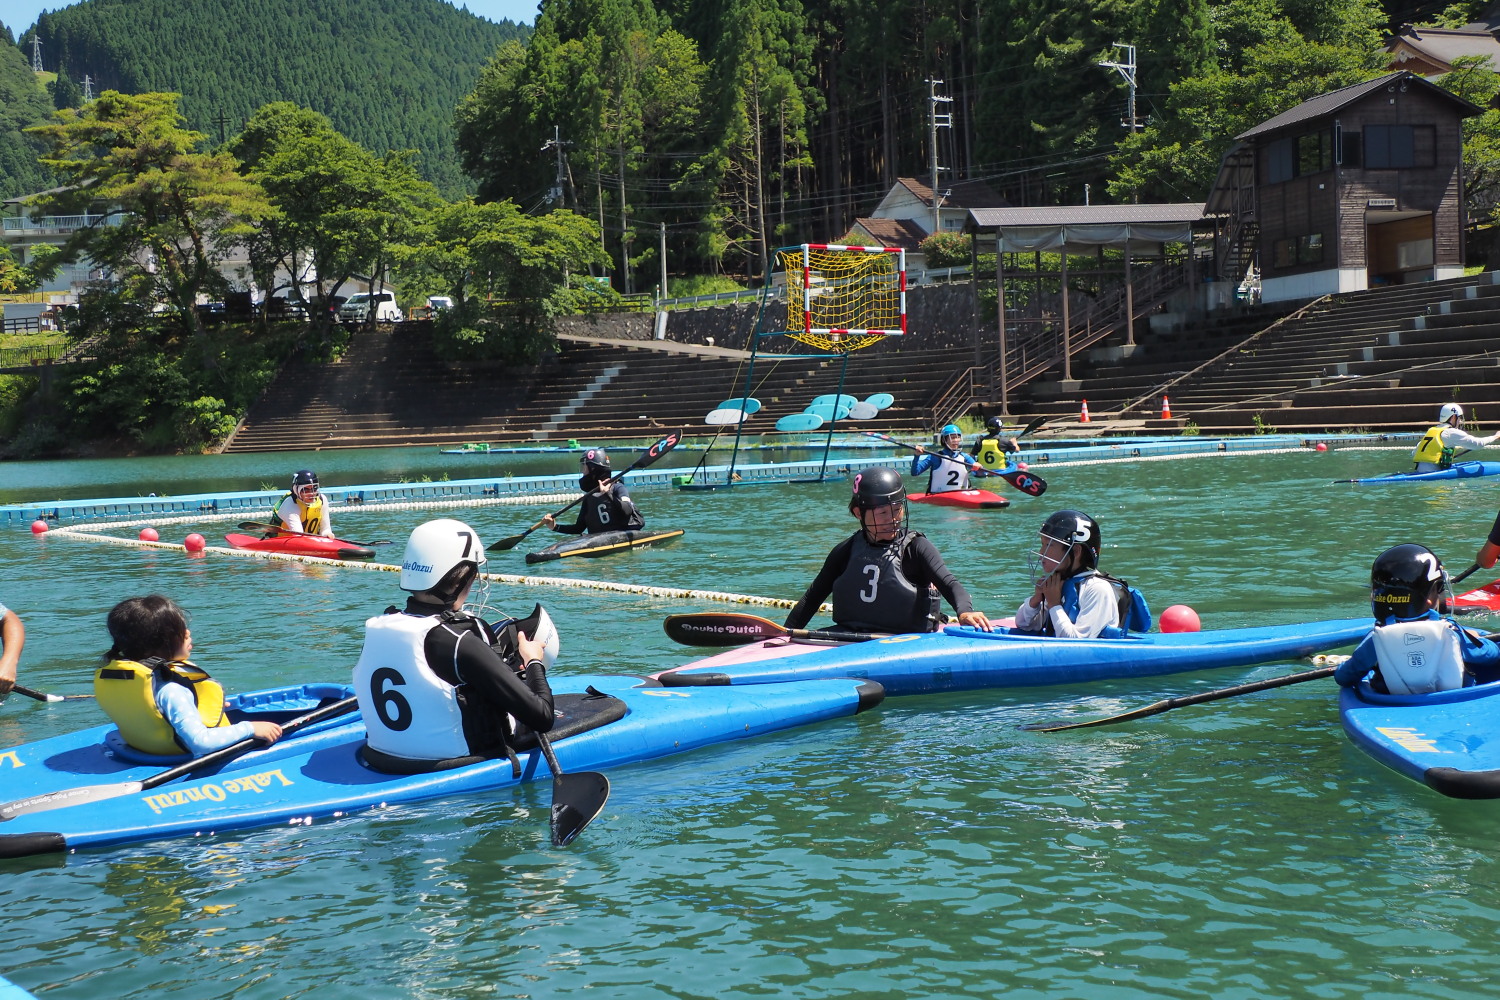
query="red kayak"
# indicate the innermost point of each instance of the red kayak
(1485, 598)
(302, 545)
(966, 499)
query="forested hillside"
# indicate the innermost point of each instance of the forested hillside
(23, 103)
(387, 73)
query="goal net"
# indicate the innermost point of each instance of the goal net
(841, 298)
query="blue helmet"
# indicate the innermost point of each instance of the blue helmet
(949, 429)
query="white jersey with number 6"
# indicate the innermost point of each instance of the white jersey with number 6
(408, 710)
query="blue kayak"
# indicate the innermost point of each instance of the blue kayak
(961, 658)
(602, 722)
(98, 755)
(1448, 740)
(1462, 470)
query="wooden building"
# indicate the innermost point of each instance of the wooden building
(1358, 187)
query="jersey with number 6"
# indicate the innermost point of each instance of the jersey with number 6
(408, 710)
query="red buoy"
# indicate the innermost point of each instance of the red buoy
(1320, 446)
(1180, 618)
(38, 527)
(194, 543)
(149, 535)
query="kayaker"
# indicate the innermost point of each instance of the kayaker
(1436, 449)
(1073, 598)
(304, 509)
(607, 507)
(436, 684)
(1412, 649)
(947, 468)
(161, 701)
(12, 638)
(882, 577)
(991, 449)
(1490, 550)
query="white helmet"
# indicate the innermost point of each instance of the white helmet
(434, 548)
(1449, 411)
(538, 625)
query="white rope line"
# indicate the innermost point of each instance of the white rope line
(679, 593)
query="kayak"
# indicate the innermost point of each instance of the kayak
(602, 722)
(966, 499)
(1485, 598)
(1448, 740)
(602, 544)
(961, 658)
(302, 545)
(98, 754)
(1462, 470)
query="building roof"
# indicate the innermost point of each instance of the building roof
(1076, 228)
(961, 194)
(1336, 100)
(1440, 46)
(1084, 215)
(893, 232)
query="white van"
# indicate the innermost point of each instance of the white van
(357, 307)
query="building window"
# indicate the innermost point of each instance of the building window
(1298, 156)
(1398, 147)
(1296, 251)
(1310, 249)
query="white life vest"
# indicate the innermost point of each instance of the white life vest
(408, 710)
(1419, 657)
(948, 475)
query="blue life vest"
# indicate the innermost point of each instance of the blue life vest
(1134, 614)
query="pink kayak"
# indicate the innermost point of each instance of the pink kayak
(302, 545)
(964, 499)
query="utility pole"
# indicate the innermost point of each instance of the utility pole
(938, 121)
(1127, 70)
(560, 181)
(88, 87)
(222, 120)
(663, 260)
(36, 53)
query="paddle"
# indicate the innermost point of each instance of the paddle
(576, 798)
(1027, 482)
(22, 689)
(98, 793)
(1191, 699)
(258, 526)
(649, 456)
(731, 628)
(1460, 578)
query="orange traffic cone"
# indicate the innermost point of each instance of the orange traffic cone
(1166, 408)
(1083, 414)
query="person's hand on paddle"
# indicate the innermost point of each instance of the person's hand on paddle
(1488, 553)
(975, 619)
(919, 449)
(549, 521)
(268, 731)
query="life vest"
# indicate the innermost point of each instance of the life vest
(1419, 657)
(950, 473)
(126, 690)
(991, 455)
(1130, 605)
(1431, 449)
(408, 710)
(312, 513)
(873, 595)
(605, 512)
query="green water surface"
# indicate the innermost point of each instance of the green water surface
(928, 848)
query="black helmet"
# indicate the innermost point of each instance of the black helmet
(595, 459)
(303, 478)
(1074, 527)
(993, 424)
(1405, 581)
(877, 487)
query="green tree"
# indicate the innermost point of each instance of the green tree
(174, 214)
(1474, 80)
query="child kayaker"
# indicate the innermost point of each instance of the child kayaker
(12, 638)
(1412, 649)
(993, 450)
(947, 468)
(304, 509)
(607, 507)
(437, 685)
(1072, 598)
(1436, 449)
(160, 701)
(882, 577)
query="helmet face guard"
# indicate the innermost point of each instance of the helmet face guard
(1070, 529)
(879, 489)
(305, 485)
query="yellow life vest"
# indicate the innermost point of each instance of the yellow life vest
(1430, 448)
(991, 455)
(126, 690)
(312, 513)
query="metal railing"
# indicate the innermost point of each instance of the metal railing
(24, 357)
(54, 223)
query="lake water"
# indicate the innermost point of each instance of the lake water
(929, 848)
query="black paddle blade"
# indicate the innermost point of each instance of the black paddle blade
(505, 544)
(1037, 422)
(719, 628)
(576, 799)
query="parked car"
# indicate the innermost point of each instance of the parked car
(356, 309)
